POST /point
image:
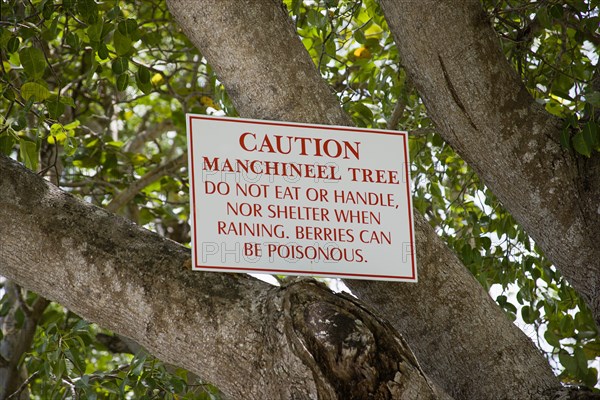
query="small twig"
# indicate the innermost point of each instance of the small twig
(17, 393)
(124, 197)
(399, 108)
(71, 387)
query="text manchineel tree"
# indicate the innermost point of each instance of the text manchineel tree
(94, 97)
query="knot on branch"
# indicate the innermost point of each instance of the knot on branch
(351, 352)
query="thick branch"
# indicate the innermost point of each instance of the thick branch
(467, 343)
(246, 336)
(484, 111)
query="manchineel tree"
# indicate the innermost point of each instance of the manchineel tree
(501, 101)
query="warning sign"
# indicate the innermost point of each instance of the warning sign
(298, 199)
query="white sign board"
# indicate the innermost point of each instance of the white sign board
(298, 199)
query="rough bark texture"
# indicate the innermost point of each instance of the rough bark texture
(482, 108)
(249, 338)
(454, 326)
(466, 342)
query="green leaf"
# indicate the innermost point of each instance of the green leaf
(593, 98)
(19, 317)
(591, 378)
(6, 306)
(7, 143)
(94, 32)
(544, 18)
(69, 146)
(35, 91)
(152, 39)
(568, 362)
(9, 94)
(551, 338)
(363, 111)
(113, 13)
(5, 36)
(19, 123)
(138, 364)
(55, 108)
(529, 315)
(88, 9)
(77, 359)
(592, 349)
(565, 138)
(567, 326)
(102, 51)
(143, 74)
(72, 40)
(29, 154)
(48, 10)
(359, 36)
(120, 65)
(128, 27)
(486, 243)
(144, 87)
(122, 43)
(581, 145)
(13, 44)
(68, 101)
(556, 11)
(72, 125)
(59, 367)
(33, 62)
(122, 82)
(581, 360)
(315, 18)
(590, 134)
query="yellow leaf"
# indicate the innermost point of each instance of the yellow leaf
(60, 138)
(139, 159)
(374, 31)
(362, 52)
(208, 102)
(157, 79)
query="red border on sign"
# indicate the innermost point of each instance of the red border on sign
(192, 117)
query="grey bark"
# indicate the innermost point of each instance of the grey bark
(251, 339)
(461, 337)
(483, 110)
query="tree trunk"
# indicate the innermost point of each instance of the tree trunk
(483, 110)
(460, 336)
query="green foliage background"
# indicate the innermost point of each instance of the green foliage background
(94, 96)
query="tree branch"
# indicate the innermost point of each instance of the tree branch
(16, 393)
(230, 329)
(483, 110)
